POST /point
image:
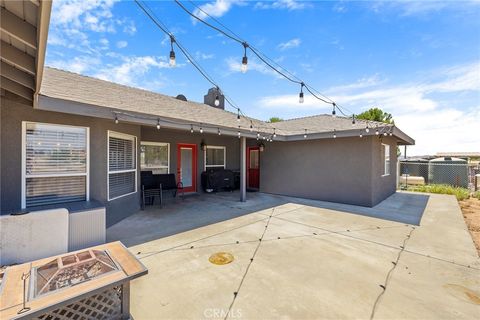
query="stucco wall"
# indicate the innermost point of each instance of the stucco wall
(383, 185)
(12, 115)
(174, 137)
(337, 170)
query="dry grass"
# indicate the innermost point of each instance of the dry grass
(471, 214)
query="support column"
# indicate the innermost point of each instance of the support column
(243, 169)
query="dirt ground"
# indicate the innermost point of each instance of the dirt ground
(471, 214)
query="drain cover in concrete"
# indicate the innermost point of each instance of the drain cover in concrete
(221, 258)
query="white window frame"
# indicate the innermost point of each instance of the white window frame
(205, 166)
(151, 143)
(125, 136)
(386, 166)
(24, 161)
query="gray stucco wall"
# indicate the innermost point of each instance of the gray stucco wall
(12, 115)
(174, 137)
(344, 170)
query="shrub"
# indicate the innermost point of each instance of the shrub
(476, 195)
(460, 193)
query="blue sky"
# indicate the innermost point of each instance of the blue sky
(419, 61)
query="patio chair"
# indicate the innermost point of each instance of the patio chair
(154, 185)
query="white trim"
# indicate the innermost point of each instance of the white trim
(215, 165)
(152, 143)
(384, 151)
(24, 162)
(124, 136)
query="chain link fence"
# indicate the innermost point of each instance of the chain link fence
(424, 172)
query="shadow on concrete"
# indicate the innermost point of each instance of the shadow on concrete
(199, 210)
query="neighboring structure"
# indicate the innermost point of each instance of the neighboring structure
(87, 139)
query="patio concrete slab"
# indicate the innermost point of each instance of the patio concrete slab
(328, 262)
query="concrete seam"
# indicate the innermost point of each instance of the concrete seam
(235, 294)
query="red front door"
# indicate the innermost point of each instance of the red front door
(187, 166)
(253, 167)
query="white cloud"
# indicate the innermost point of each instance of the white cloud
(420, 108)
(416, 7)
(122, 44)
(77, 65)
(293, 43)
(203, 56)
(131, 70)
(282, 4)
(215, 9)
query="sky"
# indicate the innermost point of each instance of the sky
(419, 61)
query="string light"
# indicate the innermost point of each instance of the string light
(300, 95)
(217, 101)
(353, 119)
(385, 134)
(334, 134)
(238, 115)
(305, 134)
(244, 66)
(334, 112)
(376, 131)
(201, 130)
(361, 135)
(219, 133)
(251, 127)
(191, 128)
(367, 129)
(239, 134)
(116, 119)
(158, 124)
(172, 53)
(274, 133)
(258, 135)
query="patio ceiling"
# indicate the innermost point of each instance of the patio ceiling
(23, 36)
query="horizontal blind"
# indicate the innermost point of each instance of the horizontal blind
(51, 190)
(55, 164)
(121, 183)
(121, 154)
(215, 157)
(54, 149)
(121, 165)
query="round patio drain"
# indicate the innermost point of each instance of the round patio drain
(221, 258)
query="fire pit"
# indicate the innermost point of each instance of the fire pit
(90, 283)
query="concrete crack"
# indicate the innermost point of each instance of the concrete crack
(384, 286)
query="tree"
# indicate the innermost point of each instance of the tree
(376, 114)
(275, 119)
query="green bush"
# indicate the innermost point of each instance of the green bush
(460, 193)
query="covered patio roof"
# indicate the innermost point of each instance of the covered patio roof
(65, 92)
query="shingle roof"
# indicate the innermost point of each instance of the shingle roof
(83, 89)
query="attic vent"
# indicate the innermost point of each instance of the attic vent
(181, 97)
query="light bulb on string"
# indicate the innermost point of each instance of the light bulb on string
(191, 128)
(244, 66)
(217, 101)
(353, 120)
(300, 95)
(274, 133)
(258, 136)
(219, 133)
(172, 53)
(239, 134)
(305, 134)
(158, 124)
(251, 127)
(238, 115)
(334, 134)
(334, 112)
(116, 119)
(201, 130)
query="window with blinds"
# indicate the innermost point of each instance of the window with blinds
(215, 157)
(122, 165)
(55, 164)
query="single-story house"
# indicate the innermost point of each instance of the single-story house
(87, 139)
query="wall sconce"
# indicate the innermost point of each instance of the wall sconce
(261, 147)
(203, 146)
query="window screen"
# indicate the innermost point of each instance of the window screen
(155, 156)
(55, 164)
(215, 157)
(122, 168)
